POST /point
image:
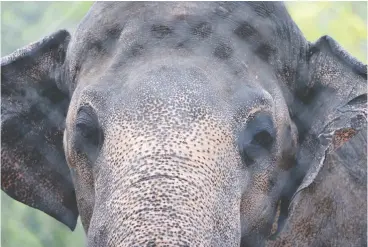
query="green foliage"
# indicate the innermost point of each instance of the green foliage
(25, 22)
(346, 22)
(25, 226)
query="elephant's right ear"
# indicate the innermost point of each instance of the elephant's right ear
(34, 102)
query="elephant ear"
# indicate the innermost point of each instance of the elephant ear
(330, 105)
(34, 102)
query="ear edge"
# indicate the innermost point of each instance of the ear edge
(36, 47)
(328, 43)
(68, 218)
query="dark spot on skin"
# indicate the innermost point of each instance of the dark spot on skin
(202, 30)
(265, 51)
(114, 32)
(183, 44)
(105, 43)
(245, 31)
(160, 31)
(223, 51)
(262, 9)
(97, 46)
(151, 243)
(137, 50)
(180, 44)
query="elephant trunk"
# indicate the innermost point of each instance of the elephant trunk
(166, 200)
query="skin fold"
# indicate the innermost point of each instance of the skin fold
(186, 124)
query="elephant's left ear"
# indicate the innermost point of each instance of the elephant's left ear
(34, 102)
(331, 102)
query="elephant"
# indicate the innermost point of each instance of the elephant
(183, 124)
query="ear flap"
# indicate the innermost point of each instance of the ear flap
(346, 163)
(347, 122)
(34, 103)
(330, 98)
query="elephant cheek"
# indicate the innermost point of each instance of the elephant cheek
(257, 213)
(85, 198)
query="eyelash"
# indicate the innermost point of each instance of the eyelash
(89, 135)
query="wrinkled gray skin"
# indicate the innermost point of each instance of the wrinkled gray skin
(183, 123)
(331, 212)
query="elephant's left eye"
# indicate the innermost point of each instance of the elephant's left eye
(257, 138)
(89, 135)
(263, 139)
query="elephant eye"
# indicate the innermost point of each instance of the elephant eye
(263, 139)
(89, 135)
(257, 139)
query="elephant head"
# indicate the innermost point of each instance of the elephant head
(169, 124)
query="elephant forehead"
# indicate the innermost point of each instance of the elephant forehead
(138, 33)
(175, 94)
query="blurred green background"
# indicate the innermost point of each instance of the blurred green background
(25, 22)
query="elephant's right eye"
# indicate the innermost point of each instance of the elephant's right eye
(89, 135)
(257, 138)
